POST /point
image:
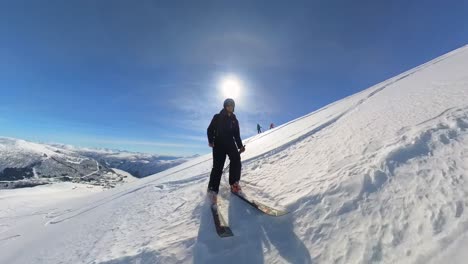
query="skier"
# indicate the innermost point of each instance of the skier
(272, 126)
(259, 129)
(224, 137)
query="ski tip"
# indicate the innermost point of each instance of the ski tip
(281, 213)
(227, 233)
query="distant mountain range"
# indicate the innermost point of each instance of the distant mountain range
(24, 163)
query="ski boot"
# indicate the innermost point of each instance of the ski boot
(213, 197)
(235, 188)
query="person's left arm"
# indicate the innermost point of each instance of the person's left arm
(237, 136)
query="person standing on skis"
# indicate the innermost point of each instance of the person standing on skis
(224, 137)
(259, 129)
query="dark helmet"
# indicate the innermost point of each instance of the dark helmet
(229, 101)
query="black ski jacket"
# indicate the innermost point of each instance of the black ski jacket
(224, 130)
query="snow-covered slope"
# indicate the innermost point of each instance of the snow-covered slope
(378, 177)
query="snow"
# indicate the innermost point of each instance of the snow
(33, 197)
(127, 176)
(19, 205)
(378, 177)
(26, 146)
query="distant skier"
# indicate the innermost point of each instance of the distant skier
(259, 129)
(224, 137)
(272, 126)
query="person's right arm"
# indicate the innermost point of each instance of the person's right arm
(211, 131)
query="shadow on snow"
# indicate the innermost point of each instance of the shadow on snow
(254, 235)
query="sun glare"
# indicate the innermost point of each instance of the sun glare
(231, 87)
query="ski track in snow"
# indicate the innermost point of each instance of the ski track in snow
(378, 177)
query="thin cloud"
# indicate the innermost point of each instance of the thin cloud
(195, 106)
(142, 143)
(187, 137)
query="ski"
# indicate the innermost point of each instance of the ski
(261, 206)
(222, 228)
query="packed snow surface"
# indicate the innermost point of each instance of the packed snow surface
(378, 177)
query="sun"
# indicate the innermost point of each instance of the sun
(231, 87)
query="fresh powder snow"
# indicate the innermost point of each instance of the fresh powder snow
(378, 177)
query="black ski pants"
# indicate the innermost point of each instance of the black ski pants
(219, 157)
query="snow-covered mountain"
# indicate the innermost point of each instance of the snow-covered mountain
(138, 164)
(378, 177)
(24, 163)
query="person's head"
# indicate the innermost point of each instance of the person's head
(229, 105)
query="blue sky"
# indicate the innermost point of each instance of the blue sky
(145, 75)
